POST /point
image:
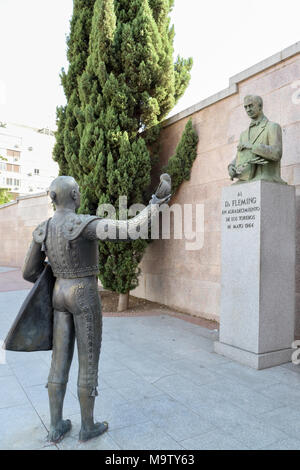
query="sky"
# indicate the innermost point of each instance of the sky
(223, 37)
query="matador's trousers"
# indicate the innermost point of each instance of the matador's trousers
(77, 313)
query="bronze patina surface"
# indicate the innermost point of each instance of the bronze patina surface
(64, 303)
(260, 147)
(33, 326)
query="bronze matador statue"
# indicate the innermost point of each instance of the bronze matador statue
(70, 242)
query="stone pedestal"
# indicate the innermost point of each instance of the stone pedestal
(258, 274)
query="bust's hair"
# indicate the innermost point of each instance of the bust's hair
(256, 98)
(61, 188)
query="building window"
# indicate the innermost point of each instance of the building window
(13, 153)
(9, 181)
(12, 167)
(36, 171)
(16, 182)
(3, 166)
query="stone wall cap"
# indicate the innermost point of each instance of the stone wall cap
(29, 196)
(266, 63)
(20, 198)
(286, 53)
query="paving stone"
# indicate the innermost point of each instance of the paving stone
(191, 342)
(123, 378)
(5, 370)
(174, 418)
(212, 335)
(179, 388)
(286, 419)
(160, 387)
(109, 365)
(144, 436)
(103, 442)
(292, 367)
(11, 392)
(46, 356)
(193, 371)
(204, 358)
(214, 440)
(146, 368)
(32, 373)
(282, 374)
(5, 269)
(247, 376)
(109, 397)
(117, 347)
(246, 398)
(71, 441)
(38, 396)
(221, 413)
(21, 429)
(288, 444)
(138, 391)
(256, 436)
(23, 358)
(284, 394)
(120, 415)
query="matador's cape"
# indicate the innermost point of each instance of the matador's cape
(33, 326)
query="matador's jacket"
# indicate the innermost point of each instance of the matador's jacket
(71, 249)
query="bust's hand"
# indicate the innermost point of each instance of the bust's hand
(246, 146)
(258, 160)
(231, 171)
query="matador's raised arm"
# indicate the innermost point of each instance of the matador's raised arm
(124, 230)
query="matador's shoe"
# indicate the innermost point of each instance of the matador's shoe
(56, 434)
(97, 430)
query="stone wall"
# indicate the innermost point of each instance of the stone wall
(18, 219)
(190, 280)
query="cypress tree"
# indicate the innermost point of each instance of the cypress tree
(180, 164)
(67, 144)
(129, 85)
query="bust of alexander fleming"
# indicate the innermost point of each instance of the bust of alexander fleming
(260, 147)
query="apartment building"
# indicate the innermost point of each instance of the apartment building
(26, 164)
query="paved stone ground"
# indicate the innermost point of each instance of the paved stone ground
(161, 387)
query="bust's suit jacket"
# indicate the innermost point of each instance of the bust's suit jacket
(266, 138)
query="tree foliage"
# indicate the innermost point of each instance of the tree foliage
(121, 83)
(5, 196)
(180, 164)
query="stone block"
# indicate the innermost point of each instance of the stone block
(258, 273)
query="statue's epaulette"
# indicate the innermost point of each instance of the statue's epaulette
(40, 233)
(75, 224)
